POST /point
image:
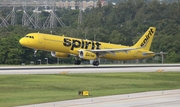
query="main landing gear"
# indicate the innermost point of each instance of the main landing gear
(77, 61)
(96, 63)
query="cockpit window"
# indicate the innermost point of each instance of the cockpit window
(32, 37)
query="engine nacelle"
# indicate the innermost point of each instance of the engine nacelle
(59, 54)
(87, 55)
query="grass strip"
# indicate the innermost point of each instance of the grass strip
(30, 89)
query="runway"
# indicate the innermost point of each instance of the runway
(89, 69)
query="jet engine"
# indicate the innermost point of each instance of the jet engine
(87, 55)
(59, 54)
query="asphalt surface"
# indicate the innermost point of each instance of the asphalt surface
(89, 69)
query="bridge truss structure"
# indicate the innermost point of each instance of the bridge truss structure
(31, 17)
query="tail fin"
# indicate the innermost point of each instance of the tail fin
(146, 40)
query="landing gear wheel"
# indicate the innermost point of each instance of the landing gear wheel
(77, 62)
(96, 63)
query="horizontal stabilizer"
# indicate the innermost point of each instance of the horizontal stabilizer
(148, 53)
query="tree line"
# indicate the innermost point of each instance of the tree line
(123, 23)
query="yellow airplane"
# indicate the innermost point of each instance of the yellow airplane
(62, 47)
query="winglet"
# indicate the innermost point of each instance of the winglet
(146, 40)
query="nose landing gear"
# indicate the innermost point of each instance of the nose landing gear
(35, 51)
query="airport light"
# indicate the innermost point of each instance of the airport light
(39, 61)
(46, 60)
(32, 62)
(162, 55)
(58, 61)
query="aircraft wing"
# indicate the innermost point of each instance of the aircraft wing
(112, 51)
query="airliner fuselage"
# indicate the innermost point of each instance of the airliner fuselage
(88, 49)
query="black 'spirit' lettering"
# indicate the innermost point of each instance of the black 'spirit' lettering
(83, 44)
(147, 37)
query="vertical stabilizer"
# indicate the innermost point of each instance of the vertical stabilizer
(146, 40)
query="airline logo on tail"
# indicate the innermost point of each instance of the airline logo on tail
(147, 37)
(146, 40)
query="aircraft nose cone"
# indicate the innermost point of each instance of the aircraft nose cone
(20, 41)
